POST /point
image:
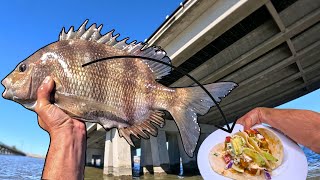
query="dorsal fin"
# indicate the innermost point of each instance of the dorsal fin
(138, 49)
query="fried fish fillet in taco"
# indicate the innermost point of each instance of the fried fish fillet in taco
(252, 154)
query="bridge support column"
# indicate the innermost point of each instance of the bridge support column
(133, 154)
(189, 164)
(174, 154)
(146, 157)
(121, 156)
(108, 153)
(160, 156)
(117, 155)
(95, 156)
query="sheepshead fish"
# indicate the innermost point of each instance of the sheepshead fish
(118, 93)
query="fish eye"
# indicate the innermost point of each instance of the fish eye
(22, 67)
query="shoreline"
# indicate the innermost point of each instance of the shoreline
(36, 156)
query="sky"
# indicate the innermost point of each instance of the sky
(27, 26)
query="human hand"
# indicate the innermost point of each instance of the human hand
(252, 118)
(51, 118)
(67, 138)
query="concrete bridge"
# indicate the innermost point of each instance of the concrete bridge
(269, 47)
(4, 149)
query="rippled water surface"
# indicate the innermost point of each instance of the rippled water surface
(313, 162)
(20, 167)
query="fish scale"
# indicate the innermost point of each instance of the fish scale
(118, 93)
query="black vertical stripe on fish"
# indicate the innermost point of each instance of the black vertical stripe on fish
(130, 89)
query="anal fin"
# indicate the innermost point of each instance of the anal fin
(143, 129)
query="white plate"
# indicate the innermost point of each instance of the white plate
(294, 165)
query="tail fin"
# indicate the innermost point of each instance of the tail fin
(193, 101)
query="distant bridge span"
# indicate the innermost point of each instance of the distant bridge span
(4, 149)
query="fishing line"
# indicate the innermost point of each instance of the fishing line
(177, 69)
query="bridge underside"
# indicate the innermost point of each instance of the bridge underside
(269, 47)
(272, 53)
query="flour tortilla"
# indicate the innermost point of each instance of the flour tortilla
(274, 143)
(218, 165)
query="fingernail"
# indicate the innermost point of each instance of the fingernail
(46, 80)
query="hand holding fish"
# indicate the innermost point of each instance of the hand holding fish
(67, 135)
(50, 117)
(300, 125)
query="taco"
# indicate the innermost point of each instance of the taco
(252, 154)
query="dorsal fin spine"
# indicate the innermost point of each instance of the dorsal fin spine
(70, 33)
(106, 37)
(81, 29)
(137, 49)
(87, 34)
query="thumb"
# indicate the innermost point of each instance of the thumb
(245, 122)
(43, 93)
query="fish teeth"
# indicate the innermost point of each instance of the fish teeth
(106, 37)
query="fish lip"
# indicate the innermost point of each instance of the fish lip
(7, 94)
(4, 82)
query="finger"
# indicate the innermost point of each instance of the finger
(43, 93)
(241, 121)
(248, 123)
(247, 120)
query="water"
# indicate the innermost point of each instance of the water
(20, 167)
(27, 168)
(313, 162)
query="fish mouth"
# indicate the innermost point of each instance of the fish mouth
(10, 94)
(7, 94)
